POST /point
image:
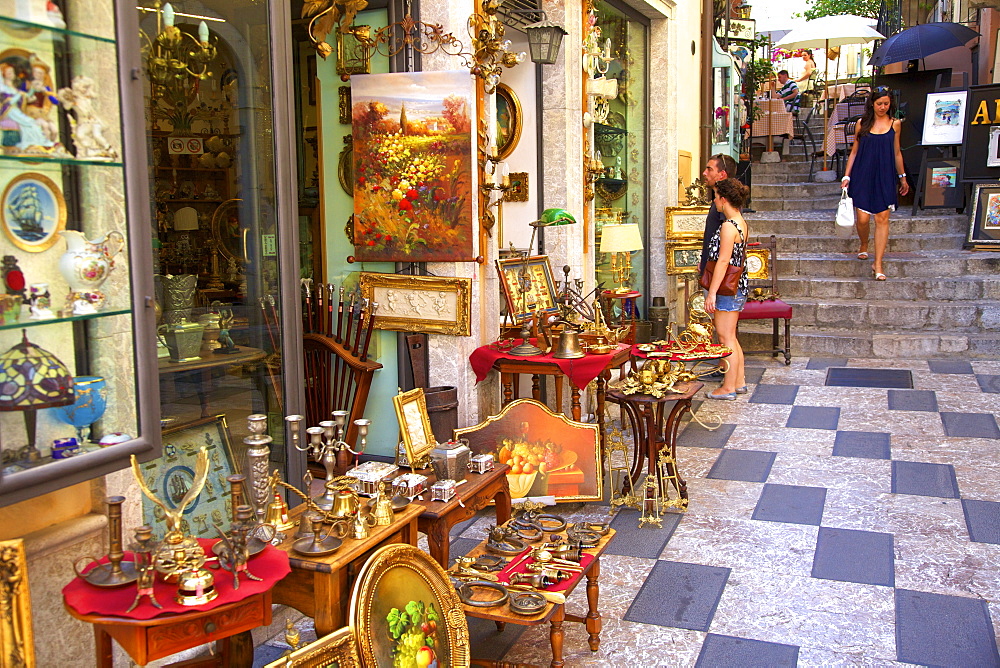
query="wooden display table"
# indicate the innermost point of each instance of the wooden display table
(146, 640)
(438, 517)
(320, 587)
(553, 613)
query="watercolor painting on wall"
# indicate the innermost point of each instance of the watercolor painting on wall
(413, 166)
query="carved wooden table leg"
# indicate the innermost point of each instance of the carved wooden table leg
(438, 543)
(500, 626)
(593, 616)
(536, 392)
(556, 636)
(575, 401)
(104, 652)
(558, 382)
(238, 650)
(507, 380)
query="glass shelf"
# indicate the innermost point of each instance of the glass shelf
(18, 24)
(60, 160)
(21, 324)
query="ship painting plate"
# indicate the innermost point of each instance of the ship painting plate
(32, 212)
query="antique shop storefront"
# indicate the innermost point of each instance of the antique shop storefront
(193, 197)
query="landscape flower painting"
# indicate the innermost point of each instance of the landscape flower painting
(413, 166)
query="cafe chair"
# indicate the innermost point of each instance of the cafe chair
(762, 269)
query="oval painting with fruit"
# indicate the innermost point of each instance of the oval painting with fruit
(414, 637)
(548, 454)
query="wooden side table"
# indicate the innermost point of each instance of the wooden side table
(320, 587)
(438, 517)
(146, 640)
(656, 430)
(554, 613)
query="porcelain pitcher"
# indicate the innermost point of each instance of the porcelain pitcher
(86, 264)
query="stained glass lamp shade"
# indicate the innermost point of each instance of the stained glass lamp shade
(32, 378)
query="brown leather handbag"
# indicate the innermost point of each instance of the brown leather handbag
(729, 282)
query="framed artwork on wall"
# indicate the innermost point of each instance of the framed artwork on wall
(509, 121)
(171, 476)
(413, 162)
(685, 222)
(432, 304)
(683, 258)
(944, 118)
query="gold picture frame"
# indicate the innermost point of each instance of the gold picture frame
(415, 426)
(683, 258)
(541, 296)
(344, 104)
(758, 260)
(228, 238)
(345, 166)
(525, 423)
(518, 187)
(509, 121)
(432, 304)
(400, 586)
(685, 222)
(17, 642)
(351, 56)
(43, 209)
(335, 649)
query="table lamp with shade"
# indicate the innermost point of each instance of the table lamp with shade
(32, 378)
(554, 217)
(620, 239)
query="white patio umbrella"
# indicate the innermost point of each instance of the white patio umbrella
(827, 31)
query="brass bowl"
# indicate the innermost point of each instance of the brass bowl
(600, 349)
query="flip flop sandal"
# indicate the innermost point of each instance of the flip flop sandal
(863, 255)
(879, 276)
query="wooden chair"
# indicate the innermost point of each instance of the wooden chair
(766, 280)
(338, 374)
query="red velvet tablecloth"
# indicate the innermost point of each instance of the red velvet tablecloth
(580, 371)
(85, 598)
(522, 567)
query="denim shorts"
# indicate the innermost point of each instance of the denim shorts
(727, 303)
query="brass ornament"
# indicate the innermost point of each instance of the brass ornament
(17, 642)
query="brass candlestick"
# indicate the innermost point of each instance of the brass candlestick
(115, 573)
(236, 491)
(143, 552)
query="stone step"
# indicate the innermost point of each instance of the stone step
(952, 288)
(937, 264)
(795, 190)
(825, 342)
(902, 316)
(820, 223)
(811, 243)
(769, 169)
(792, 204)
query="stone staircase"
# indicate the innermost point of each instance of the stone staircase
(939, 301)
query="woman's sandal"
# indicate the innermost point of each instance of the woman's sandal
(863, 255)
(879, 276)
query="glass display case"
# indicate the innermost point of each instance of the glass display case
(76, 322)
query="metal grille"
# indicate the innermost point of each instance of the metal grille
(520, 13)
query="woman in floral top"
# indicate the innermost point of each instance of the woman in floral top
(729, 246)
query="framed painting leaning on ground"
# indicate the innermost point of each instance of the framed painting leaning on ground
(984, 223)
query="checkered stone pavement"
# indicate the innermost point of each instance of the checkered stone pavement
(829, 524)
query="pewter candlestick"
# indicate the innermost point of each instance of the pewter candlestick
(258, 462)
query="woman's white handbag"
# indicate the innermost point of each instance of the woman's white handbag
(845, 215)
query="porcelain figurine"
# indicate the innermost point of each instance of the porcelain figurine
(88, 128)
(40, 302)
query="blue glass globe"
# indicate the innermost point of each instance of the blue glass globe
(91, 401)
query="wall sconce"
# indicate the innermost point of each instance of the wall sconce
(620, 241)
(496, 179)
(490, 50)
(593, 168)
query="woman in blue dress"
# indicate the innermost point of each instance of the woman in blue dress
(875, 173)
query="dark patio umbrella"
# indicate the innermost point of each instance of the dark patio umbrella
(921, 41)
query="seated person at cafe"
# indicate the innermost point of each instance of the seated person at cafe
(789, 92)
